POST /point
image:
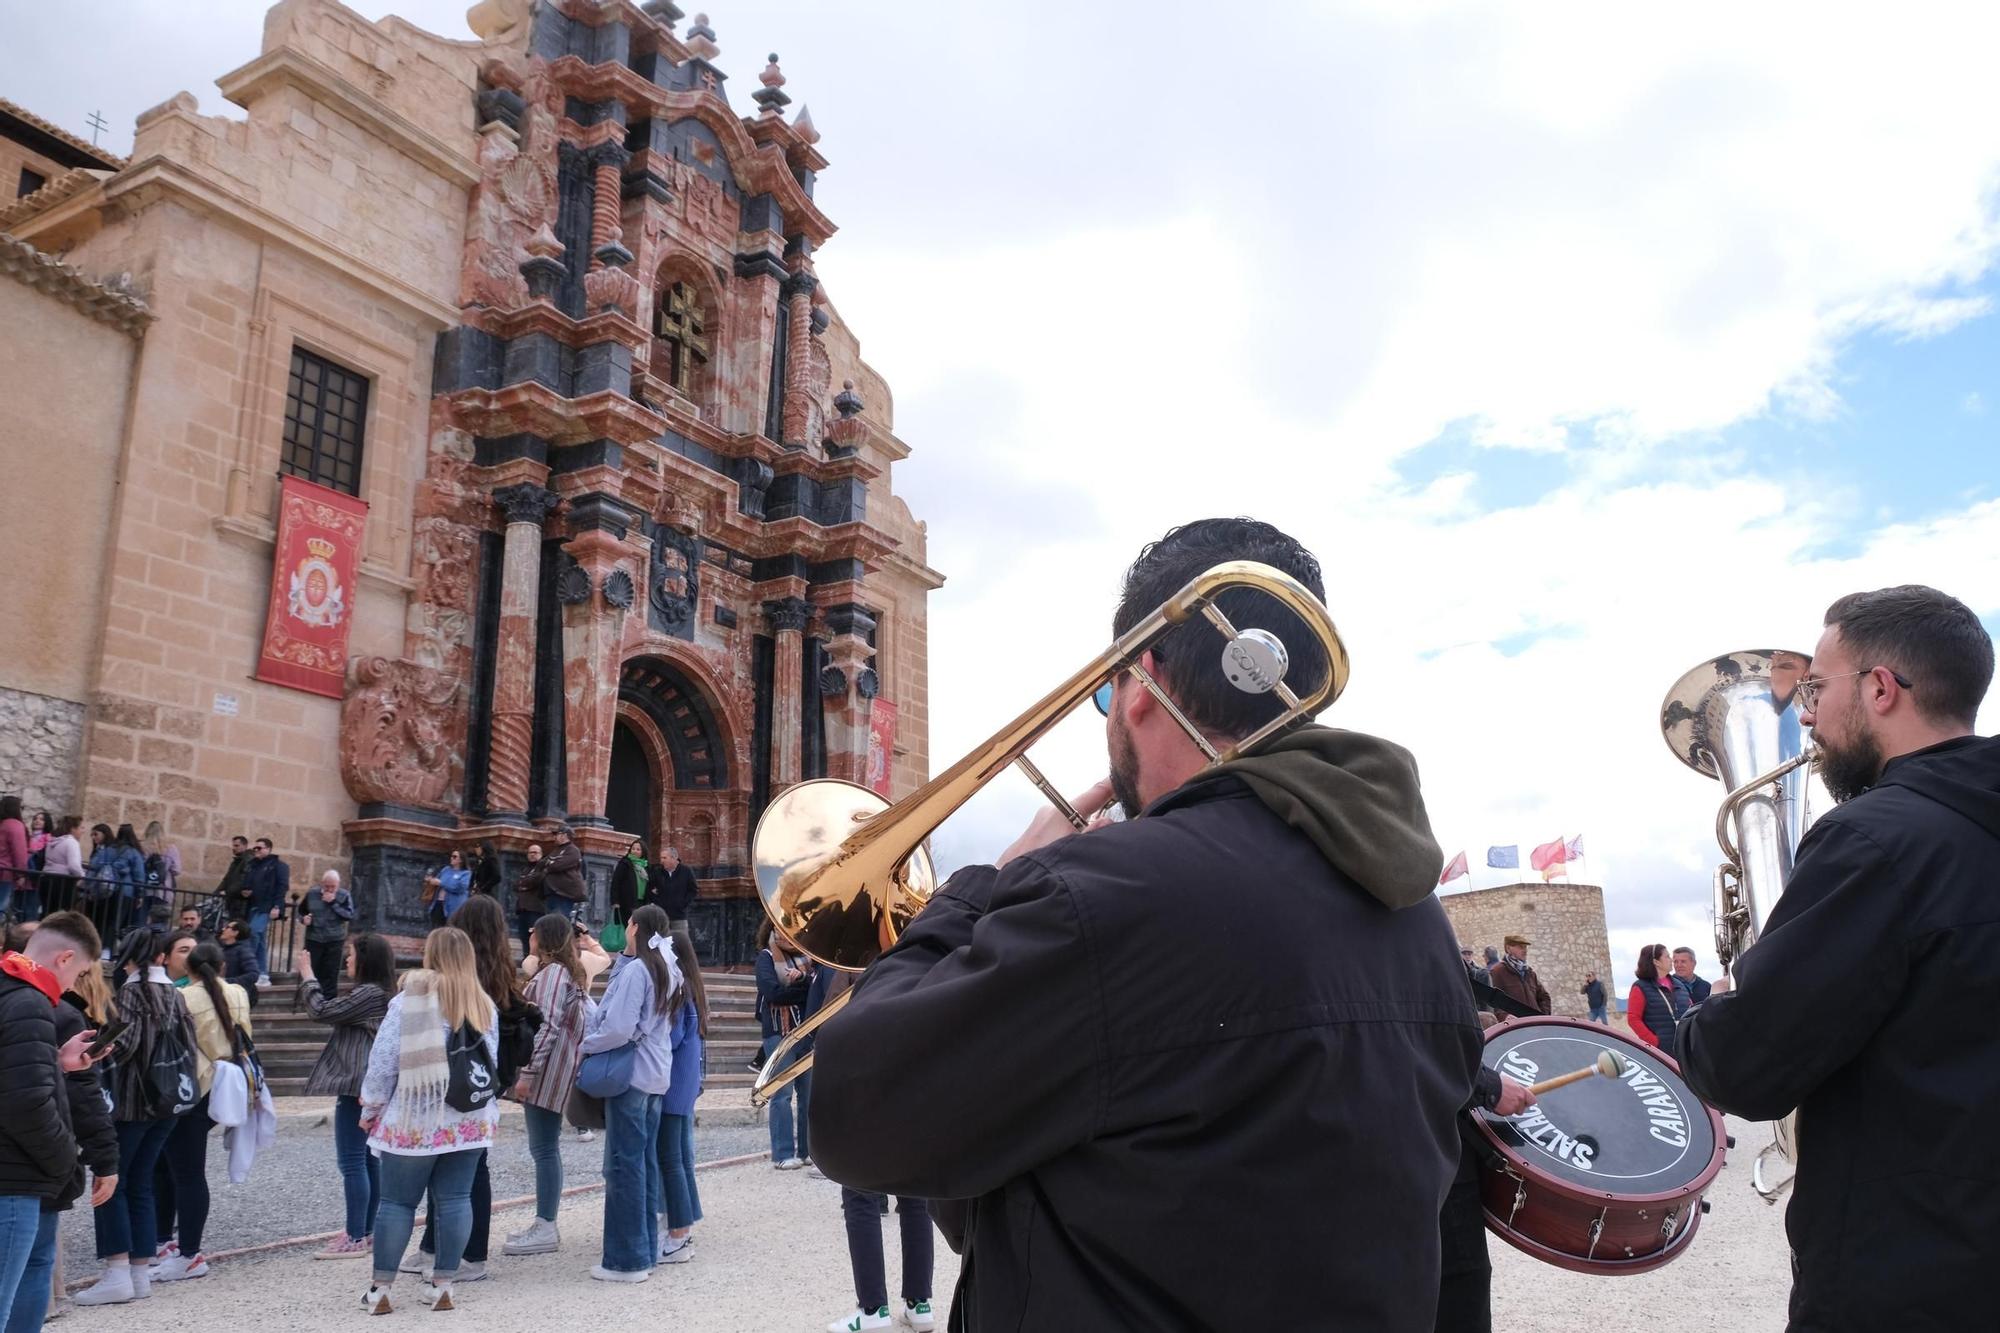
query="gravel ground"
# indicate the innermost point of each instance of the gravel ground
(294, 1189)
(772, 1255)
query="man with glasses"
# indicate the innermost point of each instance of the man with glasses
(1851, 1006)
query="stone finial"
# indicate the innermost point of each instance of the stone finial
(847, 402)
(666, 12)
(700, 39)
(544, 245)
(771, 96)
(804, 126)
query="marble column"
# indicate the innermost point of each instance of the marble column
(596, 591)
(511, 743)
(847, 696)
(788, 616)
(798, 290)
(606, 231)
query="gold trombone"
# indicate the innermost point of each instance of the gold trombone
(842, 872)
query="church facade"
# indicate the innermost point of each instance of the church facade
(545, 302)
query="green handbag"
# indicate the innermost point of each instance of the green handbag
(612, 937)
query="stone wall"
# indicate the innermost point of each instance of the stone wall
(1565, 924)
(40, 739)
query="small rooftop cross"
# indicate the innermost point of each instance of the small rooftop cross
(96, 123)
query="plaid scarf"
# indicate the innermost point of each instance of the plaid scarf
(423, 1070)
(1520, 965)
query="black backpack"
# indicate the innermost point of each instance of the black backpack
(167, 1083)
(474, 1082)
(519, 1025)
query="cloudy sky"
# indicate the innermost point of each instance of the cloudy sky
(1581, 342)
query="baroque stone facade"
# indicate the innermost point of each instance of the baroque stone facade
(632, 558)
(1565, 924)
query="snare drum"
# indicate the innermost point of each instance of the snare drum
(1600, 1176)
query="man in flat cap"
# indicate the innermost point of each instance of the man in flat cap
(1513, 976)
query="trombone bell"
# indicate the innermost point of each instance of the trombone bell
(843, 921)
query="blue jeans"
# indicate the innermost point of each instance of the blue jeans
(683, 1200)
(260, 930)
(545, 1131)
(20, 1232)
(31, 1298)
(360, 1170)
(125, 1222)
(27, 903)
(6, 895)
(404, 1179)
(1598, 1015)
(632, 1181)
(784, 1141)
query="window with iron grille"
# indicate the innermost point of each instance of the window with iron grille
(326, 406)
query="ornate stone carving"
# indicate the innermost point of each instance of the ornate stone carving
(833, 682)
(788, 614)
(612, 287)
(572, 584)
(398, 732)
(676, 578)
(618, 590)
(526, 503)
(867, 684)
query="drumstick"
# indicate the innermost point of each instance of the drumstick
(1609, 1063)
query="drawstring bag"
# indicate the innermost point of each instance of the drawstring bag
(473, 1081)
(612, 937)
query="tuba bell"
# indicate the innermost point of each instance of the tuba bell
(1737, 718)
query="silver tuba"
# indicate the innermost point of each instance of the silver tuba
(1737, 718)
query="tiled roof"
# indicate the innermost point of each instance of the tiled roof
(54, 131)
(73, 181)
(29, 266)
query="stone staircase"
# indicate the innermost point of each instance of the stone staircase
(290, 1042)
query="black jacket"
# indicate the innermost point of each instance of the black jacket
(625, 898)
(235, 894)
(269, 882)
(1189, 1073)
(562, 875)
(89, 1114)
(1852, 1007)
(676, 890)
(37, 1147)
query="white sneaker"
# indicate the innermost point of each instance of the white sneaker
(142, 1281)
(586, 1135)
(469, 1271)
(861, 1319)
(114, 1288)
(790, 1164)
(180, 1267)
(438, 1298)
(416, 1261)
(167, 1249)
(603, 1274)
(263, 983)
(375, 1300)
(917, 1314)
(539, 1238)
(675, 1251)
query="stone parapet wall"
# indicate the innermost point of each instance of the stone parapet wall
(1565, 923)
(40, 742)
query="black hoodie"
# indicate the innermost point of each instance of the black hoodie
(1197, 1070)
(1866, 1005)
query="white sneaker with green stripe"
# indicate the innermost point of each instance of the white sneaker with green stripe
(917, 1314)
(861, 1319)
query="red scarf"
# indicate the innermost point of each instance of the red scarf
(23, 968)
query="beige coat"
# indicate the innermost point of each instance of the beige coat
(211, 1043)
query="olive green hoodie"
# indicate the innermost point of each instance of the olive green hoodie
(1357, 797)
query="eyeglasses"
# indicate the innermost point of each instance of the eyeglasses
(1103, 699)
(1809, 688)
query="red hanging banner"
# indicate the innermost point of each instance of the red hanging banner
(881, 745)
(312, 588)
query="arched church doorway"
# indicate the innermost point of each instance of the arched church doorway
(633, 795)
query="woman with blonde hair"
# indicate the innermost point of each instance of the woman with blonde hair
(428, 1103)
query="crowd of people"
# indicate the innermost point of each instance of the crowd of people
(1665, 986)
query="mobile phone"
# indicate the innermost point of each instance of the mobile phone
(107, 1034)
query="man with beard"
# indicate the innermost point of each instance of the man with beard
(1198, 1069)
(1851, 1006)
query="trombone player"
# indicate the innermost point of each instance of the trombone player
(1199, 1069)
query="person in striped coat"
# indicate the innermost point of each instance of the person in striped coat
(563, 965)
(355, 1017)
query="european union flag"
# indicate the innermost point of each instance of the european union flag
(1505, 858)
